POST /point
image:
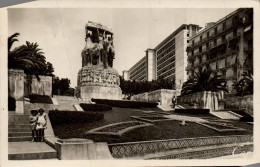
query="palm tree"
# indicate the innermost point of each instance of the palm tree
(28, 57)
(204, 80)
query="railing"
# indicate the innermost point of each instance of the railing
(121, 150)
(211, 153)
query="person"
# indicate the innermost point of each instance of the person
(33, 120)
(173, 101)
(41, 124)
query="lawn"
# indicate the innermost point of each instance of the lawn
(159, 131)
(112, 116)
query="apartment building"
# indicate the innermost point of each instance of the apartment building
(168, 59)
(225, 46)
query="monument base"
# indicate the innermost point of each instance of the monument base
(99, 92)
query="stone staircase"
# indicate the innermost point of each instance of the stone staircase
(67, 102)
(19, 128)
(19, 137)
(226, 115)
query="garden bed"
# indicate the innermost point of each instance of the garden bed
(40, 99)
(71, 117)
(221, 127)
(95, 107)
(192, 111)
(124, 103)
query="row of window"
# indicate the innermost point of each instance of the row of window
(169, 44)
(166, 63)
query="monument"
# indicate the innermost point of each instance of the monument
(97, 78)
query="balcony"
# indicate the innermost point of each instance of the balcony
(213, 36)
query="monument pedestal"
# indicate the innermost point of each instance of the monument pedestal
(99, 83)
(100, 92)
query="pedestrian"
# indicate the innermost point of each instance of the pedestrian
(41, 124)
(33, 121)
(173, 102)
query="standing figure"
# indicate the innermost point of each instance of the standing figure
(33, 121)
(173, 102)
(110, 52)
(41, 124)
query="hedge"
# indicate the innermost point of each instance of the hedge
(124, 103)
(95, 107)
(11, 103)
(193, 111)
(71, 117)
(247, 119)
(40, 99)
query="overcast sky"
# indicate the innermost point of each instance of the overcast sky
(60, 32)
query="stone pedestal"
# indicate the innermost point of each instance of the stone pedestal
(100, 92)
(97, 82)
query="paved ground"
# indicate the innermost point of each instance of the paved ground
(185, 118)
(28, 147)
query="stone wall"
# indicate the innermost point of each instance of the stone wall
(163, 95)
(205, 99)
(236, 102)
(16, 84)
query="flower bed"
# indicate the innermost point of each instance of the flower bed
(95, 107)
(71, 117)
(40, 99)
(192, 111)
(221, 127)
(124, 104)
(117, 129)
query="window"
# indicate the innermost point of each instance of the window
(215, 42)
(200, 38)
(223, 38)
(234, 32)
(192, 42)
(187, 41)
(188, 34)
(208, 34)
(224, 26)
(207, 45)
(235, 20)
(215, 30)
(200, 49)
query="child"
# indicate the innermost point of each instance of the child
(33, 120)
(41, 124)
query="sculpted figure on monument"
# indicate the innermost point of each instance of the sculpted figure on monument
(99, 49)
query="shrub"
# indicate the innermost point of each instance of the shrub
(11, 103)
(40, 99)
(125, 104)
(71, 117)
(247, 119)
(95, 107)
(193, 111)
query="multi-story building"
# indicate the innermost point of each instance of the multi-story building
(168, 59)
(144, 69)
(225, 46)
(171, 55)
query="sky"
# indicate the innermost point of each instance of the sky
(60, 32)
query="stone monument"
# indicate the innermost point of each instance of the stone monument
(97, 78)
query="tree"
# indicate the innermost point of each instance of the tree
(245, 86)
(204, 80)
(28, 57)
(59, 86)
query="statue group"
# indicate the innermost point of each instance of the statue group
(97, 78)
(99, 48)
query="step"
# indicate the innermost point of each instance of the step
(18, 134)
(12, 121)
(19, 130)
(27, 126)
(19, 139)
(30, 151)
(224, 115)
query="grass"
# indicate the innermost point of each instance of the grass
(159, 131)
